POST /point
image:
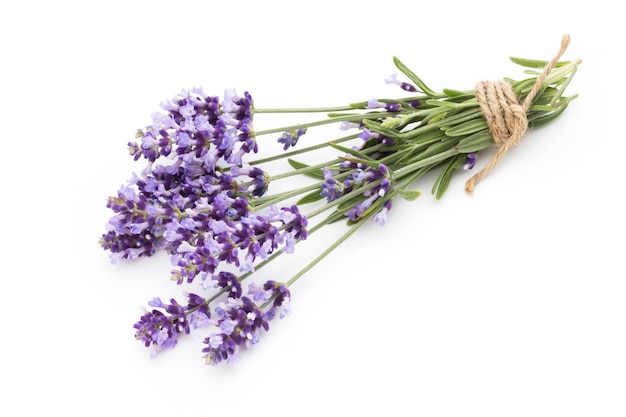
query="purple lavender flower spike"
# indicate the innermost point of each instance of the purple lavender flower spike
(290, 138)
(136, 228)
(259, 179)
(369, 175)
(229, 280)
(228, 232)
(259, 292)
(331, 188)
(241, 322)
(194, 123)
(381, 217)
(162, 326)
(282, 298)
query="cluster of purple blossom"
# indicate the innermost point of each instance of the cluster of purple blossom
(198, 128)
(290, 137)
(359, 175)
(194, 201)
(240, 320)
(238, 323)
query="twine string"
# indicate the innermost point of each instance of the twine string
(506, 117)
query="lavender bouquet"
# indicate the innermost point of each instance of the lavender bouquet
(203, 199)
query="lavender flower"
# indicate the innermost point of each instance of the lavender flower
(368, 134)
(331, 188)
(259, 180)
(378, 175)
(393, 79)
(194, 124)
(232, 234)
(281, 296)
(241, 320)
(470, 161)
(201, 135)
(136, 227)
(381, 217)
(390, 107)
(228, 280)
(161, 326)
(290, 138)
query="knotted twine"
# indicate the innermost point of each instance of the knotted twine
(505, 116)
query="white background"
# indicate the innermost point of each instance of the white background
(506, 303)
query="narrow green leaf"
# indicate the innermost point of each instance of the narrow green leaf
(529, 63)
(416, 80)
(333, 115)
(436, 148)
(427, 137)
(350, 151)
(456, 93)
(313, 173)
(535, 63)
(436, 116)
(409, 195)
(297, 165)
(310, 198)
(475, 142)
(441, 103)
(443, 181)
(543, 118)
(419, 146)
(467, 128)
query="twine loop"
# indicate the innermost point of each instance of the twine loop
(506, 117)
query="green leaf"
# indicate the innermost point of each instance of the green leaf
(440, 103)
(416, 80)
(351, 151)
(475, 142)
(348, 204)
(409, 195)
(456, 93)
(535, 63)
(529, 63)
(333, 115)
(436, 116)
(443, 181)
(433, 150)
(313, 173)
(543, 118)
(310, 198)
(467, 128)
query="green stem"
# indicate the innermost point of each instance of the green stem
(400, 172)
(302, 150)
(356, 118)
(328, 250)
(277, 198)
(305, 110)
(306, 170)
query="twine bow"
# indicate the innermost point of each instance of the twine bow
(505, 116)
